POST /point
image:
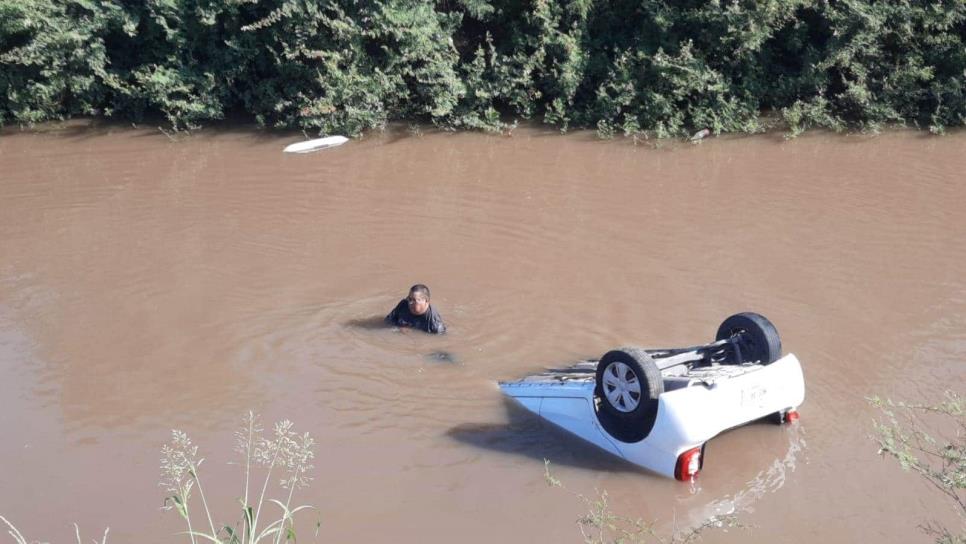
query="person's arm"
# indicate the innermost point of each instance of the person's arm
(436, 325)
(394, 314)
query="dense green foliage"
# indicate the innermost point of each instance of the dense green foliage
(644, 66)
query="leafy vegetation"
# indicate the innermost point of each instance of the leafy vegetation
(930, 440)
(642, 67)
(284, 451)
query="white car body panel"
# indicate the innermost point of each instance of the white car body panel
(702, 404)
(309, 146)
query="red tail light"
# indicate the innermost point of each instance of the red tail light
(791, 415)
(689, 463)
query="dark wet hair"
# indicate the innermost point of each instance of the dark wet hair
(421, 289)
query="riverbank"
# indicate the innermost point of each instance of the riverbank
(616, 67)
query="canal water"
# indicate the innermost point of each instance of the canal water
(150, 283)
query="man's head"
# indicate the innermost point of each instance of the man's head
(418, 299)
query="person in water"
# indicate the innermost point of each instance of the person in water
(415, 311)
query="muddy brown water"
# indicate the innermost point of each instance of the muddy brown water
(149, 284)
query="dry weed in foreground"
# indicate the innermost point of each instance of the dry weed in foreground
(600, 525)
(930, 440)
(285, 451)
(19, 538)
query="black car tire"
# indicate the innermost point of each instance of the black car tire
(757, 339)
(628, 384)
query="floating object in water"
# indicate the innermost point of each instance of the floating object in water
(700, 135)
(309, 146)
(442, 357)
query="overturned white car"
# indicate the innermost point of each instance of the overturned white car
(658, 407)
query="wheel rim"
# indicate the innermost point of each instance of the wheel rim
(621, 387)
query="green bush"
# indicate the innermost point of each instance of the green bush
(637, 67)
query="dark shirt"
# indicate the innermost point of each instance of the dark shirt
(430, 321)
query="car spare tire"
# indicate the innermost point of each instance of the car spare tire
(628, 384)
(755, 338)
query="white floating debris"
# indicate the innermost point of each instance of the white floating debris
(309, 146)
(700, 135)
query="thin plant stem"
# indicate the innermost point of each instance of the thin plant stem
(288, 501)
(248, 457)
(201, 491)
(187, 518)
(261, 498)
(248, 472)
(14, 532)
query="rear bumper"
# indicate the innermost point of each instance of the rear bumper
(689, 417)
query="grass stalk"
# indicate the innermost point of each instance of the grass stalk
(288, 502)
(179, 474)
(248, 453)
(187, 518)
(19, 538)
(261, 498)
(201, 491)
(14, 532)
(248, 472)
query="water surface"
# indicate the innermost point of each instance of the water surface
(147, 284)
